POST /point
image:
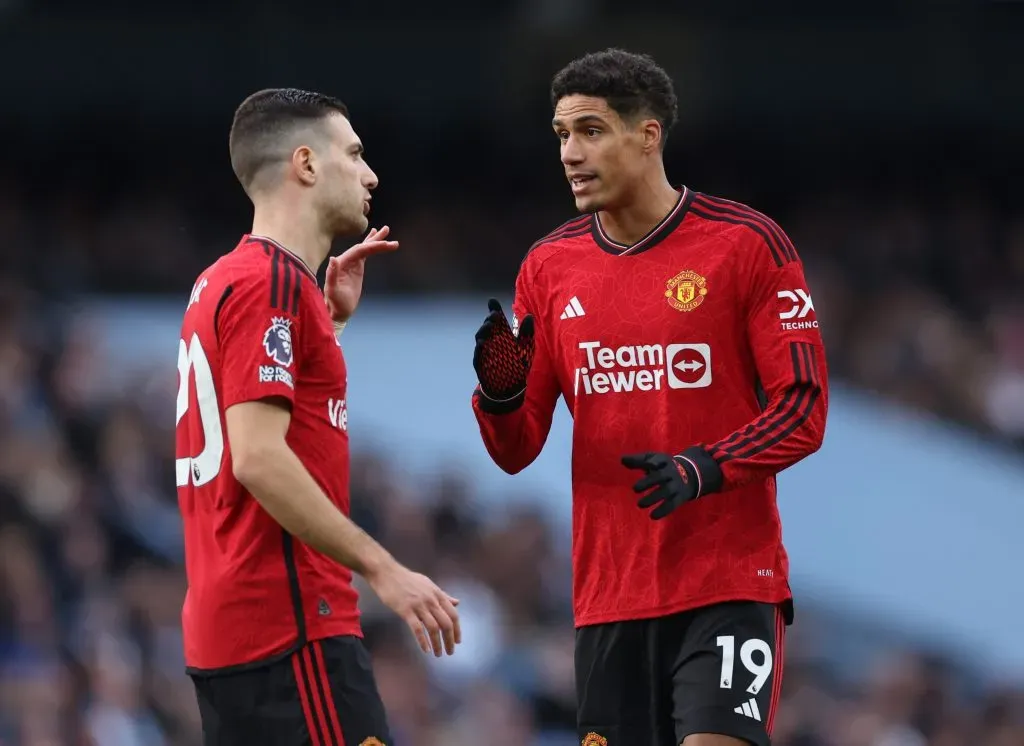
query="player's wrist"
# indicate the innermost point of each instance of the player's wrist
(497, 404)
(702, 467)
(377, 566)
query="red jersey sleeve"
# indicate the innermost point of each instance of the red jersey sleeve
(782, 329)
(258, 337)
(515, 438)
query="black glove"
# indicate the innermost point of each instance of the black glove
(502, 360)
(676, 479)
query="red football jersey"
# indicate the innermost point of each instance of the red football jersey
(701, 334)
(256, 326)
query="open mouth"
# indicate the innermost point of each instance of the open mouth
(581, 182)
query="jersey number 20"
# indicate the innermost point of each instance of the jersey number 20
(204, 467)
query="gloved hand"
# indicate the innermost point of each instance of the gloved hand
(502, 359)
(676, 478)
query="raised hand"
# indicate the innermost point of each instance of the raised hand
(502, 358)
(344, 284)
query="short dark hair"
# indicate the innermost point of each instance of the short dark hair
(632, 84)
(264, 119)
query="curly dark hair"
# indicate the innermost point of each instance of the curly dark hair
(263, 121)
(632, 84)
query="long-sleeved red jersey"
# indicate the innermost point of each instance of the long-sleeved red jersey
(701, 334)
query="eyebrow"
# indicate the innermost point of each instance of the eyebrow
(585, 119)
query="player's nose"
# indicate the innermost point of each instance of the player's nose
(572, 154)
(370, 179)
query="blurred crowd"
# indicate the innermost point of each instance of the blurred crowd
(924, 307)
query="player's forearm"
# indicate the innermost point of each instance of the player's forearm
(287, 491)
(513, 438)
(791, 428)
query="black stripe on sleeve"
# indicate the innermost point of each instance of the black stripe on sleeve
(766, 419)
(761, 394)
(785, 417)
(812, 353)
(761, 424)
(806, 403)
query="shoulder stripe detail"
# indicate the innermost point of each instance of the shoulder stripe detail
(292, 284)
(778, 242)
(285, 283)
(296, 294)
(286, 286)
(561, 236)
(275, 273)
(270, 246)
(297, 264)
(776, 255)
(784, 417)
(570, 233)
(735, 208)
(568, 229)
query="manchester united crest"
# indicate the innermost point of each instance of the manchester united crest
(593, 739)
(686, 290)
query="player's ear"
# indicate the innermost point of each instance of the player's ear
(652, 134)
(304, 164)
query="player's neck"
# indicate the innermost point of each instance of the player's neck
(301, 237)
(650, 204)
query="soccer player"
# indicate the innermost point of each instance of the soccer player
(679, 329)
(271, 624)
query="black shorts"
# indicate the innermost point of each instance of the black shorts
(323, 695)
(653, 682)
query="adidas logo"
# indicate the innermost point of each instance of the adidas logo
(573, 309)
(749, 709)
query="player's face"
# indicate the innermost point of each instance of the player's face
(601, 152)
(348, 180)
